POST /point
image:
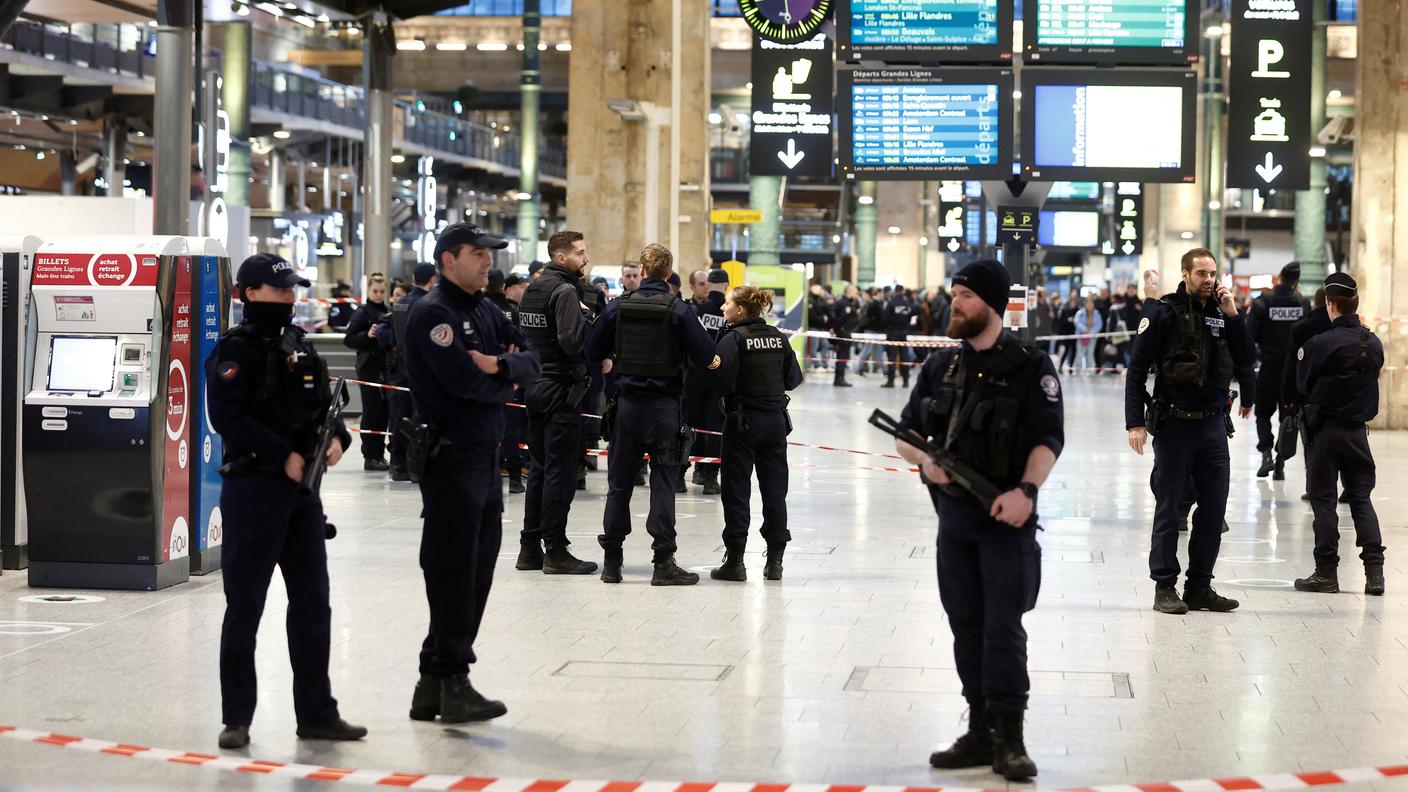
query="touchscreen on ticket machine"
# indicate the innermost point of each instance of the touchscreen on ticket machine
(108, 412)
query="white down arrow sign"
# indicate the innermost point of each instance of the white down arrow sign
(1270, 170)
(791, 156)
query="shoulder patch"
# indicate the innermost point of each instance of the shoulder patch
(1300, 354)
(442, 334)
(1051, 387)
(1143, 324)
(229, 370)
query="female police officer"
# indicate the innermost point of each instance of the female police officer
(756, 369)
(268, 395)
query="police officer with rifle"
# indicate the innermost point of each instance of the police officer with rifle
(271, 403)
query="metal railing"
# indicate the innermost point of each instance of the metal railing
(116, 49)
(803, 236)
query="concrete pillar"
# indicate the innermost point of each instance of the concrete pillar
(1380, 157)
(278, 187)
(237, 77)
(175, 76)
(1310, 204)
(866, 216)
(68, 173)
(378, 48)
(621, 54)
(530, 92)
(114, 154)
(764, 239)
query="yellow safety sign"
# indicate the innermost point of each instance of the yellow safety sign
(736, 216)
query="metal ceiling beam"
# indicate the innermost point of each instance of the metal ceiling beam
(9, 12)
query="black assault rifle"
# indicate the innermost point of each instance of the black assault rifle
(327, 432)
(963, 474)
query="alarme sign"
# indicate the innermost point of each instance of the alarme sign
(792, 107)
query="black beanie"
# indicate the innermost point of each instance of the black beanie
(988, 279)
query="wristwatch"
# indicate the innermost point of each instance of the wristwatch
(503, 366)
(1028, 489)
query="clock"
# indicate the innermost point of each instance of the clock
(786, 21)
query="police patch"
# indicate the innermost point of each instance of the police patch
(1300, 354)
(442, 335)
(1143, 324)
(230, 370)
(1051, 387)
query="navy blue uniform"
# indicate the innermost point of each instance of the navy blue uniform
(1269, 323)
(755, 434)
(398, 402)
(261, 405)
(701, 407)
(898, 315)
(989, 572)
(512, 456)
(371, 367)
(1191, 445)
(648, 417)
(1338, 375)
(461, 488)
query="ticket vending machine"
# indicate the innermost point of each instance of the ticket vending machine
(107, 413)
(16, 256)
(213, 284)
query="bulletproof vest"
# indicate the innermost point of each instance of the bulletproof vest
(980, 417)
(1344, 368)
(538, 320)
(711, 318)
(501, 301)
(291, 386)
(591, 298)
(1282, 311)
(401, 321)
(647, 344)
(762, 357)
(1192, 354)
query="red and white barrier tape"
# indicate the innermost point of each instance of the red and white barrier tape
(1267, 783)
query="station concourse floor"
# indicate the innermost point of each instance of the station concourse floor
(840, 674)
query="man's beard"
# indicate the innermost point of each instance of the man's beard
(966, 326)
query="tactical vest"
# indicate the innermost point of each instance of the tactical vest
(538, 320)
(1192, 355)
(291, 391)
(992, 436)
(762, 360)
(1282, 311)
(1343, 369)
(712, 322)
(501, 301)
(647, 344)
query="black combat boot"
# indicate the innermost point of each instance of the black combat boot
(1166, 600)
(680, 487)
(234, 737)
(1205, 599)
(589, 460)
(1009, 751)
(640, 475)
(398, 472)
(530, 556)
(336, 729)
(772, 570)
(973, 749)
(1374, 580)
(425, 701)
(581, 478)
(904, 376)
(711, 480)
(1278, 473)
(378, 464)
(1324, 580)
(559, 561)
(698, 476)
(668, 573)
(1267, 463)
(889, 381)
(611, 565)
(461, 703)
(840, 380)
(515, 482)
(733, 568)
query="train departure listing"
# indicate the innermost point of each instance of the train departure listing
(925, 126)
(923, 23)
(1111, 23)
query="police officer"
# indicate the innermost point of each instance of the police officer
(845, 318)
(596, 301)
(630, 281)
(268, 396)
(701, 405)
(652, 334)
(1314, 323)
(512, 457)
(1269, 324)
(555, 322)
(899, 314)
(996, 403)
(392, 326)
(1198, 342)
(757, 366)
(371, 367)
(1338, 371)
(463, 359)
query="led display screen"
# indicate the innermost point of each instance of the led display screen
(1110, 32)
(925, 31)
(82, 363)
(1069, 229)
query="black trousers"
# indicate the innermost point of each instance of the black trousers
(512, 455)
(593, 403)
(268, 524)
(375, 414)
(703, 410)
(761, 443)
(1341, 450)
(459, 545)
(398, 407)
(645, 423)
(1268, 401)
(555, 447)
(989, 575)
(896, 356)
(1189, 453)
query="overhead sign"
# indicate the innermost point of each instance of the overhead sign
(1016, 224)
(792, 106)
(1268, 120)
(1129, 219)
(736, 216)
(925, 31)
(1111, 31)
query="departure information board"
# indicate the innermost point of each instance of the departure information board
(926, 123)
(925, 31)
(1110, 32)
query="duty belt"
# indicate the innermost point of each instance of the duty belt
(1174, 411)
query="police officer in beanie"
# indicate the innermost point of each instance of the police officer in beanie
(995, 402)
(652, 334)
(1338, 371)
(512, 456)
(701, 405)
(1269, 324)
(269, 392)
(390, 327)
(1197, 341)
(555, 321)
(463, 359)
(757, 366)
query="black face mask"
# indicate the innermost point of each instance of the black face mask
(269, 316)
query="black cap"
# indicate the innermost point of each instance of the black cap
(599, 281)
(465, 234)
(718, 276)
(674, 279)
(1340, 285)
(513, 280)
(1291, 272)
(534, 268)
(988, 279)
(267, 269)
(496, 277)
(423, 273)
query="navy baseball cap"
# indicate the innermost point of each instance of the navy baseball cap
(674, 279)
(465, 234)
(718, 276)
(534, 268)
(513, 280)
(267, 269)
(423, 273)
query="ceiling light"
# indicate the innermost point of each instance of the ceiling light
(542, 47)
(397, 159)
(282, 134)
(491, 46)
(563, 46)
(523, 196)
(1335, 94)
(1186, 235)
(39, 154)
(1317, 151)
(1213, 31)
(519, 46)
(894, 229)
(242, 10)
(1016, 94)
(715, 118)
(865, 200)
(452, 46)
(270, 8)
(305, 21)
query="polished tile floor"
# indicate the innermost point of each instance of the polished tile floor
(841, 673)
